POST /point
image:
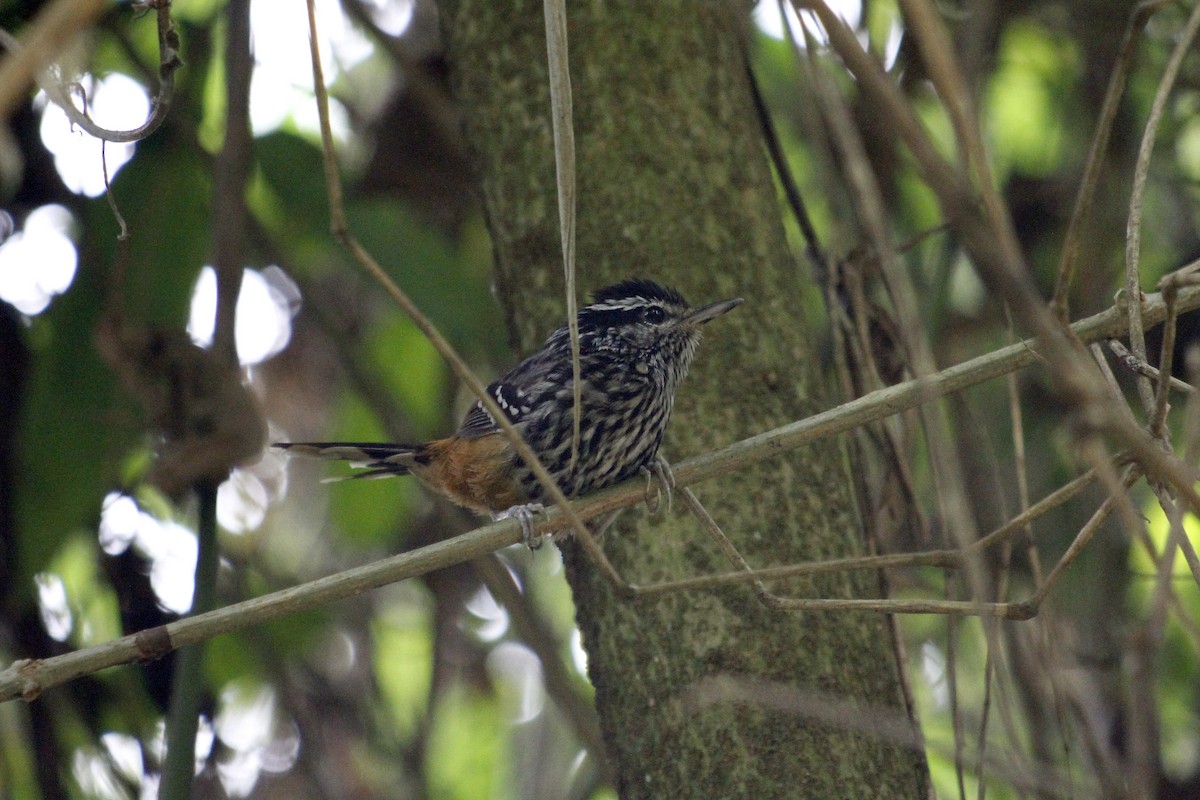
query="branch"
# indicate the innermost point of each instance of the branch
(29, 678)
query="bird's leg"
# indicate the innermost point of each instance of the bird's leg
(660, 469)
(524, 515)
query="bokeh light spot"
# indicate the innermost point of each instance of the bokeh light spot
(39, 261)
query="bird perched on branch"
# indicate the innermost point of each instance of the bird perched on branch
(636, 341)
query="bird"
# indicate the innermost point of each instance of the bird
(637, 339)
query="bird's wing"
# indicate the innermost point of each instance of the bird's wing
(513, 401)
(520, 391)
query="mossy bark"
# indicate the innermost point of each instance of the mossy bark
(674, 186)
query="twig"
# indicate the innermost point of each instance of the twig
(1110, 378)
(1138, 367)
(55, 26)
(1004, 271)
(426, 91)
(726, 547)
(108, 194)
(1169, 286)
(787, 180)
(160, 106)
(1145, 651)
(945, 558)
(1089, 530)
(956, 721)
(1044, 633)
(231, 169)
(996, 260)
(1191, 414)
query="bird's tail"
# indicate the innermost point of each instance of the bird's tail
(380, 460)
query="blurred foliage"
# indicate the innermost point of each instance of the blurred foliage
(398, 694)
(1025, 105)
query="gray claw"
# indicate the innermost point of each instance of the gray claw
(523, 514)
(661, 470)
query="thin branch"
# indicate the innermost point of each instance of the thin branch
(1081, 540)
(867, 199)
(1163, 386)
(427, 92)
(108, 194)
(231, 169)
(1145, 653)
(938, 54)
(945, 558)
(818, 259)
(1095, 158)
(956, 721)
(1133, 227)
(1006, 274)
(950, 491)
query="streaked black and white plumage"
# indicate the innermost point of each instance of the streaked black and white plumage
(636, 340)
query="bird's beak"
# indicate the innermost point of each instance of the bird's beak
(710, 312)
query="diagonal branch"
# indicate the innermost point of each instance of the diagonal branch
(341, 231)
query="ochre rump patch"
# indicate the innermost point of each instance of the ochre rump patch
(475, 473)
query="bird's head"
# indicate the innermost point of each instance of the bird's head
(648, 323)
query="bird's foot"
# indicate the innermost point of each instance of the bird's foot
(659, 469)
(523, 514)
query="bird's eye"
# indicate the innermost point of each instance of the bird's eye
(654, 315)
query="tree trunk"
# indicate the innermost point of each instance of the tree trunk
(673, 185)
